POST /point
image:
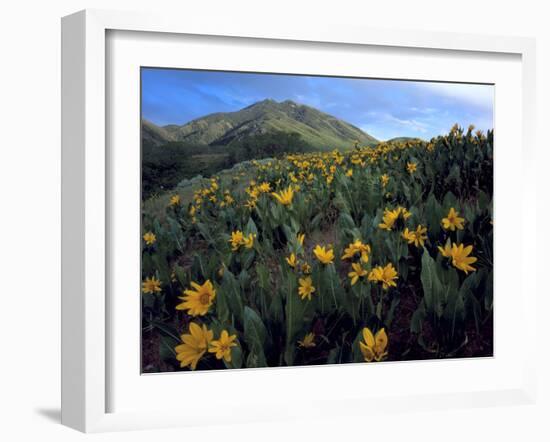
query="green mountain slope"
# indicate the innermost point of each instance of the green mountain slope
(154, 135)
(403, 139)
(318, 129)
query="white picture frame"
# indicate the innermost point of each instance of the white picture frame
(86, 316)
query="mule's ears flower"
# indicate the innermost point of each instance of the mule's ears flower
(198, 301)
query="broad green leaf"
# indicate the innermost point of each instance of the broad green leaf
(429, 280)
(251, 227)
(230, 291)
(417, 319)
(236, 358)
(255, 332)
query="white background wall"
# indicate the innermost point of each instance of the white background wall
(30, 214)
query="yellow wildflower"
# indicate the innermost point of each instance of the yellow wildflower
(150, 285)
(356, 273)
(308, 341)
(411, 168)
(264, 187)
(248, 241)
(349, 172)
(384, 179)
(194, 345)
(447, 251)
(222, 347)
(306, 288)
(149, 238)
(416, 237)
(357, 248)
(461, 259)
(323, 255)
(198, 301)
(300, 237)
(404, 212)
(291, 260)
(306, 268)
(284, 196)
(408, 235)
(373, 347)
(389, 218)
(175, 200)
(236, 240)
(250, 204)
(453, 221)
(386, 275)
(459, 255)
(229, 199)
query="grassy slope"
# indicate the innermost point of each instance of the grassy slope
(156, 205)
(318, 129)
(403, 139)
(153, 134)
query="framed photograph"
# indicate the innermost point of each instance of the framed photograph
(264, 218)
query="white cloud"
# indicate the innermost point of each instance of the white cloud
(415, 125)
(410, 123)
(474, 94)
(424, 110)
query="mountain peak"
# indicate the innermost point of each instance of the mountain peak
(275, 103)
(318, 129)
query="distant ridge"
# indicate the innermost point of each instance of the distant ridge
(320, 130)
(403, 139)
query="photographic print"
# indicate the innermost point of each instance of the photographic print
(294, 220)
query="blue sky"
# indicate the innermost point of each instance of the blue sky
(382, 108)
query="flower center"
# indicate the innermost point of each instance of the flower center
(204, 299)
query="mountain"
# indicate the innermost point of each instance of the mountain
(153, 134)
(318, 129)
(403, 139)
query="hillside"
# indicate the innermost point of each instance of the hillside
(153, 134)
(318, 129)
(403, 139)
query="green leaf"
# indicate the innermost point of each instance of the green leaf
(230, 291)
(276, 309)
(180, 275)
(254, 328)
(433, 215)
(391, 312)
(251, 227)
(488, 298)
(294, 308)
(356, 349)
(332, 357)
(346, 221)
(162, 267)
(167, 350)
(417, 319)
(236, 358)
(148, 300)
(429, 280)
(167, 329)
(472, 305)
(255, 335)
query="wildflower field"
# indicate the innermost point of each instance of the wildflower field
(370, 254)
